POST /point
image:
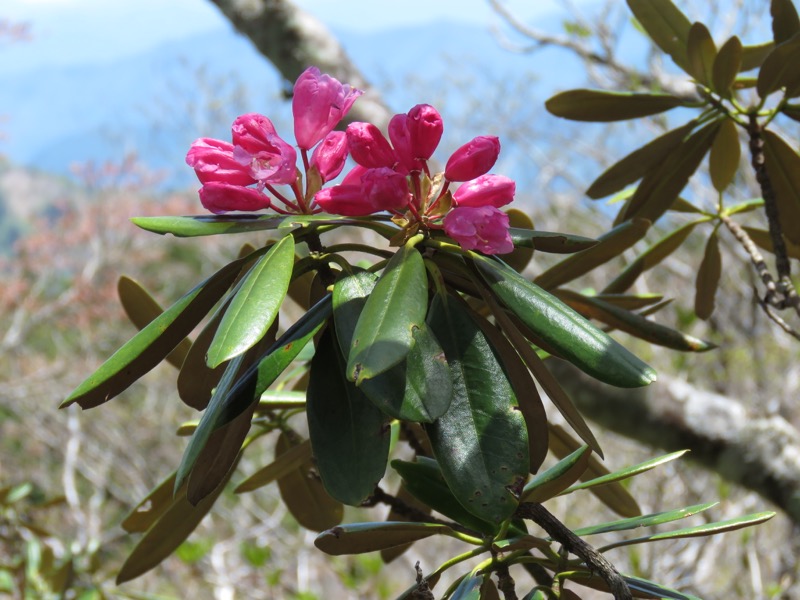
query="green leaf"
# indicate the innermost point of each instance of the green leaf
(611, 244)
(763, 239)
(779, 69)
(255, 305)
(660, 188)
(383, 335)
(520, 257)
(659, 591)
(634, 324)
(645, 520)
(725, 154)
(142, 308)
(349, 435)
(477, 468)
(701, 53)
(575, 339)
(222, 224)
(548, 241)
(357, 538)
(172, 527)
(667, 26)
(627, 472)
(196, 380)
(708, 278)
(417, 389)
(304, 495)
(727, 65)
(742, 207)
(469, 588)
(405, 499)
(153, 343)
(651, 257)
(150, 509)
(753, 55)
(557, 478)
(783, 168)
(287, 461)
(785, 22)
(602, 106)
(699, 531)
(424, 480)
(630, 302)
(638, 163)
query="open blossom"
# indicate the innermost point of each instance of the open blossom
(318, 104)
(258, 146)
(473, 159)
(483, 228)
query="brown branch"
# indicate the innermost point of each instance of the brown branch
(596, 562)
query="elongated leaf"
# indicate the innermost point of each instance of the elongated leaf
(196, 380)
(660, 188)
(699, 531)
(611, 244)
(727, 65)
(548, 241)
(419, 388)
(255, 305)
(763, 239)
(222, 224)
(468, 589)
(638, 163)
(667, 26)
(164, 536)
(557, 478)
(285, 462)
(641, 588)
(424, 480)
(627, 472)
(406, 498)
(478, 468)
(644, 520)
(153, 343)
(304, 495)
(630, 302)
(520, 257)
(150, 509)
(397, 305)
(779, 69)
(633, 323)
(141, 309)
(358, 538)
(701, 53)
(575, 339)
(785, 22)
(349, 435)
(602, 106)
(753, 55)
(708, 278)
(742, 207)
(651, 257)
(783, 168)
(725, 154)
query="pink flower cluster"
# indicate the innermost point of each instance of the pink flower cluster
(390, 175)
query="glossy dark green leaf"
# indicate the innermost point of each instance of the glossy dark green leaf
(627, 472)
(645, 520)
(660, 188)
(633, 323)
(383, 335)
(651, 257)
(667, 26)
(423, 479)
(153, 343)
(700, 531)
(708, 278)
(783, 168)
(466, 440)
(357, 538)
(727, 65)
(349, 434)
(304, 495)
(255, 305)
(603, 106)
(701, 53)
(779, 69)
(641, 588)
(726, 151)
(785, 22)
(610, 245)
(468, 589)
(753, 55)
(222, 224)
(169, 531)
(142, 308)
(576, 340)
(417, 389)
(284, 463)
(548, 241)
(638, 163)
(557, 478)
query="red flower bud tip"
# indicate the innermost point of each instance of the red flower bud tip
(213, 161)
(329, 156)
(416, 135)
(482, 228)
(368, 147)
(473, 159)
(318, 104)
(486, 190)
(224, 197)
(385, 189)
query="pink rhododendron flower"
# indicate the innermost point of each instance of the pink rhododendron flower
(271, 160)
(482, 228)
(318, 104)
(416, 135)
(345, 199)
(385, 189)
(224, 197)
(330, 155)
(473, 159)
(368, 147)
(212, 160)
(486, 190)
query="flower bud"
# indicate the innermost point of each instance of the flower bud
(224, 197)
(329, 156)
(416, 135)
(257, 146)
(473, 159)
(213, 161)
(368, 147)
(347, 200)
(482, 228)
(486, 190)
(319, 102)
(385, 189)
